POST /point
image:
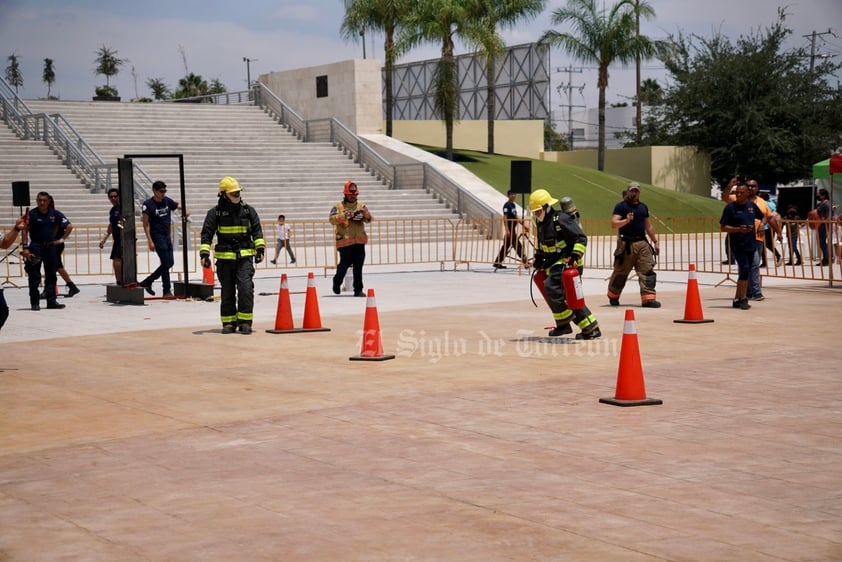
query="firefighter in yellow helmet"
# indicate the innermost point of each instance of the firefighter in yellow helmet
(560, 243)
(349, 217)
(239, 240)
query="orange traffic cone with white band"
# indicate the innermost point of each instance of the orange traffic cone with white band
(693, 303)
(312, 317)
(283, 316)
(630, 388)
(372, 346)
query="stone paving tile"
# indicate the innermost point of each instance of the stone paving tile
(279, 448)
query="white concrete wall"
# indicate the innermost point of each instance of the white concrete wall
(354, 93)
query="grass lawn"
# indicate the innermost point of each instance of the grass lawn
(595, 192)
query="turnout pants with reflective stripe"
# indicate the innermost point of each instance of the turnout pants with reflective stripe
(237, 280)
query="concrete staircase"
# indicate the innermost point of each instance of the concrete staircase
(35, 162)
(279, 173)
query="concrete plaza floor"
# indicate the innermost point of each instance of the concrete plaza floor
(142, 433)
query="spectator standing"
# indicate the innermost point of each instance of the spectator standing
(738, 221)
(40, 241)
(631, 217)
(792, 226)
(115, 230)
(5, 242)
(772, 227)
(157, 221)
(282, 240)
(823, 209)
(560, 243)
(511, 238)
(64, 230)
(349, 218)
(239, 240)
(754, 291)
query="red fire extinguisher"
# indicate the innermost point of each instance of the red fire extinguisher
(573, 292)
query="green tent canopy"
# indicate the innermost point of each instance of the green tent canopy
(821, 170)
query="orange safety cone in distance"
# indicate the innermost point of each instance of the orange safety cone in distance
(372, 346)
(693, 303)
(312, 317)
(283, 316)
(630, 389)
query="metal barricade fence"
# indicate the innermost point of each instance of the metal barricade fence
(468, 242)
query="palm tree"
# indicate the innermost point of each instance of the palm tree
(603, 38)
(191, 86)
(13, 75)
(442, 21)
(160, 91)
(377, 15)
(49, 75)
(108, 64)
(491, 15)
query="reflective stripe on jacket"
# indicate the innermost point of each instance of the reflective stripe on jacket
(237, 229)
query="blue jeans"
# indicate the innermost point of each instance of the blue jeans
(163, 247)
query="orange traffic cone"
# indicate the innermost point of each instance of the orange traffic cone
(283, 316)
(692, 304)
(312, 318)
(207, 275)
(372, 346)
(630, 388)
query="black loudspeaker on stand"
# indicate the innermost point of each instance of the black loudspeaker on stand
(20, 193)
(520, 179)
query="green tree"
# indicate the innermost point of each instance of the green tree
(603, 37)
(13, 75)
(191, 86)
(378, 15)
(217, 87)
(442, 21)
(108, 64)
(752, 105)
(492, 15)
(160, 91)
(48, 75)
(553, 140)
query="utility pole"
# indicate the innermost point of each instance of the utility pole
(569, 87)
(812, 37)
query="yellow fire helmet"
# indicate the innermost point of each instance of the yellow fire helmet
(539, 198)
(229, 184)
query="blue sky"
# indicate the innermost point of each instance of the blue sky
(216, 35)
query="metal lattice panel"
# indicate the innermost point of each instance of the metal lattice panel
(522, 86)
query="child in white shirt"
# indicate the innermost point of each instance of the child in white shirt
(282, 232)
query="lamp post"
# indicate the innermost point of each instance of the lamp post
(248, 62)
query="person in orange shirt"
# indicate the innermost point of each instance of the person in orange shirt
(754, 292)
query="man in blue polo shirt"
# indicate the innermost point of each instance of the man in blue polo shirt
(157, 220)
(40, 242)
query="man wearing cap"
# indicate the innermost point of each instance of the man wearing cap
(157, 221)
(349, 217)
(633, 250)
(239, 239)
(510, 238)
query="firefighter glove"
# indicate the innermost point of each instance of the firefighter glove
(258, 254)
(539, 261)
(205, 259)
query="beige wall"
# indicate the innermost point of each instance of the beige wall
(678, 168)
(354, 93)
(514, 138)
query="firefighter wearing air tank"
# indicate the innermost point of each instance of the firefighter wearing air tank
(631, 218)
(560, 244)
(239, 241)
